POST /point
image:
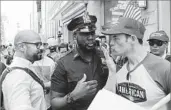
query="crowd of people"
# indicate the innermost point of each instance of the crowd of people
(48, 76)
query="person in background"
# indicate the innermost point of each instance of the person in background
(145, 78)
(53, 49)
(3, 53)
(79, 74)
(103, 38)
(9, 56)
(20, 90)
(63, 49)
(45, 47)
(158, 43)
(100, 43)
(2, 67)
(70, 46)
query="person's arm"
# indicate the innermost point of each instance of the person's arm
(58, 100)
(168, 83)
(59, 88)
(111, 81)
(168, 79)
(16, 89)
(82, 89)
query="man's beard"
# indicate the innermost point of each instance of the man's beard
(38, 55)
(85, 48)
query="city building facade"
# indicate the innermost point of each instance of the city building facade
(55, 16)
(2, 33)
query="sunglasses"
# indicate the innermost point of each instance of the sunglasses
(37, 44)
(158, 43)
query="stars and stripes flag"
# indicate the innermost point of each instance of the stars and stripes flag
(132, 11)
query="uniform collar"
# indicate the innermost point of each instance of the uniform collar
(78, 54)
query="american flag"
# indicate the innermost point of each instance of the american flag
(132, 11)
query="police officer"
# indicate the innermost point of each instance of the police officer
(79, 75)
(158, 43)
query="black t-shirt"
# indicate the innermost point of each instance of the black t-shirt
(70, 70)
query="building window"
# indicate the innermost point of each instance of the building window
(113, 9)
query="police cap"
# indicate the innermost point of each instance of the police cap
(84, 23)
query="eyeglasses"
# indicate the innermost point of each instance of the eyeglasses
(158, 43)
(37, 44)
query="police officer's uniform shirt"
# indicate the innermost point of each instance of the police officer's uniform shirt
(147, 84)
(21, 91)
(54, 56)
(70, 70)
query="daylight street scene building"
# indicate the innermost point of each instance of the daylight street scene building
(85, 55)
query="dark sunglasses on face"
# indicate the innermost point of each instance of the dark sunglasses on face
(158, 43)
(37, 44)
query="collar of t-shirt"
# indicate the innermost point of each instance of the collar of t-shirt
(131, 70)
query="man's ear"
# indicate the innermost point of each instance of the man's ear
(20, 47)
(134, 38)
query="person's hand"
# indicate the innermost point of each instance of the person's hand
(84, 88)
(109, 60)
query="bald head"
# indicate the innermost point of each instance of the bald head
(27, 36)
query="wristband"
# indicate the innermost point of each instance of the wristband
(70, 99)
